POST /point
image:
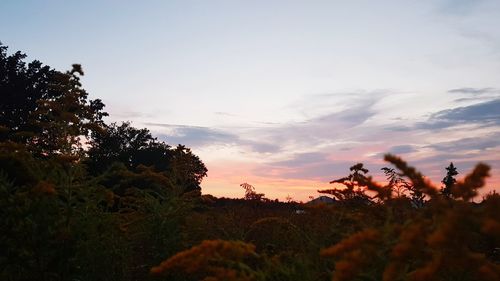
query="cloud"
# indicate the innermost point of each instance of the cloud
(322, 172)
(260, 147)
(117, 114)
(475, 94)
(397, 150)
(482, 114)
(465, 145)
(316, 105)
(473, 91)
(466, 166)
(305, 166)
(475, 20)
(324, 128)
(303, 159)
(322, 137)
(434, 165)
(402, 149)
(487, 111)
(324, 145)
(197, 136)
(459, 7)
(222, 113)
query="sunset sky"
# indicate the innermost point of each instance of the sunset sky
(285, 95)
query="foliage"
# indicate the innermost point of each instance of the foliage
(275, 234)
(213, 260)
(43, 108)
(402, 188)
(77, 196)
(353, 192)
(85, 200)
(354, 252)
(449, 180)
(438, 243)
(136, 148)
(250, 193)
(55, 228)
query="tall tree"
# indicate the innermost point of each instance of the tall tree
(187, 168)
(21, 86)
(122, 143)
(45, 109)
(250, 193)
(449, 180)
(137, 147)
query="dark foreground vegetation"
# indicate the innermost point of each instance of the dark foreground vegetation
(85, 200)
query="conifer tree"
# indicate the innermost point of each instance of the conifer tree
(449, 180)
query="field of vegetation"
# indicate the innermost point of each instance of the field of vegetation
(84, 200)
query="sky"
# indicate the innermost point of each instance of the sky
(285, 95)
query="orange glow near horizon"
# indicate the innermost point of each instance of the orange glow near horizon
(224, 180)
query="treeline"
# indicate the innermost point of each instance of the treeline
(84, 200)
(81, 199)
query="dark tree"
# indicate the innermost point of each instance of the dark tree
(125, 144)
(250, 193)
(353, 191)
(137, 147)
(449, 180)
(21, 86)
(396, 181)
(403, 188)
(45, 109)
(187, 168)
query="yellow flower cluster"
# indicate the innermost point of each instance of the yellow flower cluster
(354, 253)
(437, 243)
(212, 260)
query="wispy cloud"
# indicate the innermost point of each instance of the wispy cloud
(222, 113)
(319, 166)
(475, 94)
(459, 7)
(322, 147)
(473, 91)
(397, 150)
(466, 145)
(477, 21)
(481, 114)
(197, 136)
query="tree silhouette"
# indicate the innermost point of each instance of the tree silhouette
(127, 198)
(121, 143)
(439, 242)
(250, 193)
(21, 86)
(449, 180)
(401, 187)
(137, 147)
(45, 109)
(188, 170)
(396, 182)
(353, 191)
